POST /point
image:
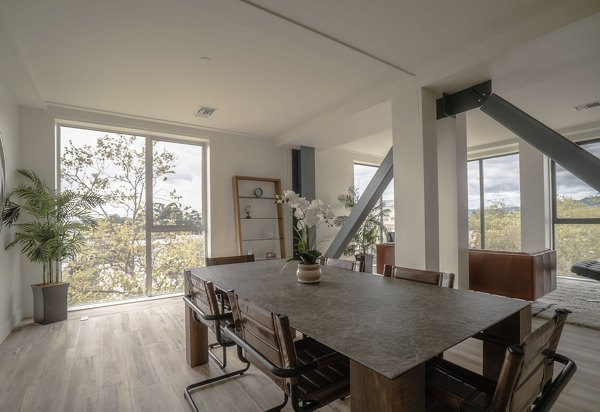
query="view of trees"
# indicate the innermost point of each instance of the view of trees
(113, 263)
(574, 242)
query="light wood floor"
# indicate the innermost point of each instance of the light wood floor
(131, 358)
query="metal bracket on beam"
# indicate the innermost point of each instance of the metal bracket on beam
(449, 105)
(363, 207)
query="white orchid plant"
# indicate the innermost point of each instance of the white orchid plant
(309, 215)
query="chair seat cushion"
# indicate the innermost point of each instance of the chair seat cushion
(326, 383)
(450, 387)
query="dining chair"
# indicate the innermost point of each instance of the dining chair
(309, 373)
(202, 299)
(525, 378)
(417, 275)
(226, 260)
(352, 265)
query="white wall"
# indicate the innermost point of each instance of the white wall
(10, 282)
(334, 172)
(228, 155)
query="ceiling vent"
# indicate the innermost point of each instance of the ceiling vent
(586, 106)
(205, 112)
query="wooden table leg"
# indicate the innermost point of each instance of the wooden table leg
(196, 340)
(371, 391)
(510, 331)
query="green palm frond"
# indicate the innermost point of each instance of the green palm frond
(58, 220)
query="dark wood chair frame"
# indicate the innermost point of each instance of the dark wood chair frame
(509, 377)
(282, 324)
(215, 320)
(352, 265)
(417, 275)
(226, 260)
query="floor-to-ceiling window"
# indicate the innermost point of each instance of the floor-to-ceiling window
(495, 203)
(576, 216)
(151, 225)
(363, 173)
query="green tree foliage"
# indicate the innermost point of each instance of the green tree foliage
(502, 227)
(371, 231)
(574, 242)
(112, 264)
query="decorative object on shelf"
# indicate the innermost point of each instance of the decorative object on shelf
(261, 230)
(248, 210)
(271, 255)
(52, 232)
(309, 216)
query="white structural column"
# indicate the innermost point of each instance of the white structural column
(453, 195)
(415, 180)
(535, 198)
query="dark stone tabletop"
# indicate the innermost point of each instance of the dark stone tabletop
(389, 325)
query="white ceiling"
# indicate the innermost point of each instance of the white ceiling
(301, 72)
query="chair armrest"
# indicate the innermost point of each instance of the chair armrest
(270, 366)
(556, 387)
(197, 311)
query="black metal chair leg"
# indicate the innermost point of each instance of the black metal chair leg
(197, 385)
(223, 363)
(280, 406)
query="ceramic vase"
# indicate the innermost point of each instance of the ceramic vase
(309, 273)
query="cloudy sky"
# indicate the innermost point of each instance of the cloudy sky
(187, 179)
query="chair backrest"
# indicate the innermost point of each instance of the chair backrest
(342, 264)
(267, 332)
(528, 367)
(226, 260)
(202, 293)
(424, 276)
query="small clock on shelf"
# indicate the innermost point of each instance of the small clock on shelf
(258, 192)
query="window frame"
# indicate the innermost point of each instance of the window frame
(567, 220)
(151, 228)
(482, 191)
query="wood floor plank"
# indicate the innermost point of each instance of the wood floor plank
(115, 398)
(132, 358)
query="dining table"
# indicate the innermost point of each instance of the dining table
(388, 328)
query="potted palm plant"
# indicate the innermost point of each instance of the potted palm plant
(369, 233)
(49, 229)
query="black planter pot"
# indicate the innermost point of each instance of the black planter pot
(366, 262)
(50, 302)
